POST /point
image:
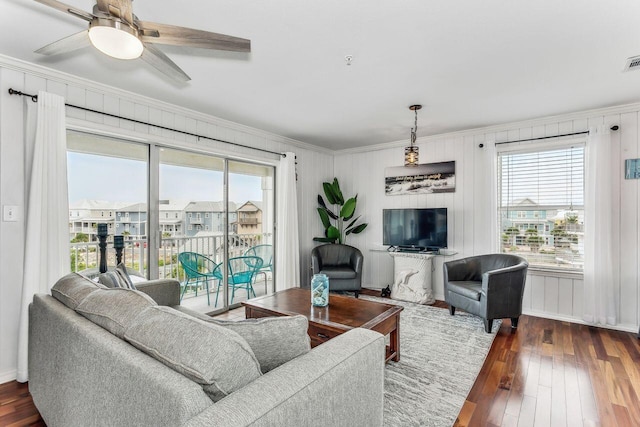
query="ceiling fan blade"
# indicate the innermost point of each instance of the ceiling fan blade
(118, 8)
(68, 44)
(62, 7)
(161, 62)
(153, 32)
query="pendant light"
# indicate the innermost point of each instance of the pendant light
(411, 152)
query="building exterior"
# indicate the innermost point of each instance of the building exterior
(85, 215)
(249, 218)
(207, 217)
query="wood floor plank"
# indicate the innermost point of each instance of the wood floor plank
(527, 412)
(572, 393)
(464, 417)
(558, 398)
(543, 407)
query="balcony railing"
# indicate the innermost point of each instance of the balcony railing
(248, 221)
(85, 256)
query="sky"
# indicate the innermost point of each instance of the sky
(121, 180)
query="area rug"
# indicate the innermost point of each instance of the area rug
(440, 358)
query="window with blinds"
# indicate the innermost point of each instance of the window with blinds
(541, 206)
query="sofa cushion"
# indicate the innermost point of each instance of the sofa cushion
(211, 355)
(73, 288)
(469, 289)
(274, 340)
(117, 278)
(338, 272)
(114, 308)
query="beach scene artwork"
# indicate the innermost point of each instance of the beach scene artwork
(421, 179)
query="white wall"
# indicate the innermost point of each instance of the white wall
(314, 164)
(470, 208)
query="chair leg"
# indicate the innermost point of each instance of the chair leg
(452, 310)
(514, 322)
(233, 293)
(357, 293)
(488, 325)
(217, 292)
(206, 283)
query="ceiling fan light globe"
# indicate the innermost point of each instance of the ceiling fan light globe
(115, 42)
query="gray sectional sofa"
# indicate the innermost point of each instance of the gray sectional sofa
(83, 374)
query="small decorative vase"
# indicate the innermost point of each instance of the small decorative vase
(320, 290)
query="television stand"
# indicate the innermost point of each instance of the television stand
(411, 248)
(412, 277)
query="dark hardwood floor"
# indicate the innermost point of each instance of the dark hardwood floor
(547, 373)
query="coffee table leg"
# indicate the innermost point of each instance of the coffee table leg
(394, 341)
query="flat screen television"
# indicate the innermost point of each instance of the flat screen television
(415, 228)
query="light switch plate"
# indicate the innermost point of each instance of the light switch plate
(10, 213)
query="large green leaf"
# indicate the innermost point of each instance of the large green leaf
(357, 230)
(347, 218)
(348, 208)
(321, 201)
(337, 192)
(352, 222)
(328, 191)
(324, 217)
(333, 233)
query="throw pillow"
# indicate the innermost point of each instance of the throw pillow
(114, 308)
(73, 288)
(213, 356)
(118, 278)
(274, 340)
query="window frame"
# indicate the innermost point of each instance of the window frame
(534, 147)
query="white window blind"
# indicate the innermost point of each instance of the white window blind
(541, 205)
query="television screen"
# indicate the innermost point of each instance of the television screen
(426, 228)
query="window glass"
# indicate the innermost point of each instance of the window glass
(106, 175)
(545, 188)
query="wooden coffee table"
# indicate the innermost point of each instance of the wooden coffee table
(342, 314)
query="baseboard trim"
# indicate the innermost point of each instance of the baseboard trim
(570, 319)
(8, 376)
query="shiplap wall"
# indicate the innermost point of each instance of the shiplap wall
(314, 165)
(471, 212)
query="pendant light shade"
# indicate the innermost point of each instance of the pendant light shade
(411, 155)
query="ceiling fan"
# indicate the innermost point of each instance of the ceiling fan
(117, 32)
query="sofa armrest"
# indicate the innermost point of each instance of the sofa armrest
(163, 291)
(339, 383)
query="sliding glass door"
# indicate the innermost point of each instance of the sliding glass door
(202, 219)
(250, 241)
(192, 225)
(107, 184)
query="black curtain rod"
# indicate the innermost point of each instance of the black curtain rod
(548, 137)
(34, 98)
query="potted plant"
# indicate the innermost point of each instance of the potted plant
(341, 213)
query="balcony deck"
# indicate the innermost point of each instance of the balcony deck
(199, 303)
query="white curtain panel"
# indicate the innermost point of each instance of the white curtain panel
(46, 251)
(491, 162)
(287, 244)
(599, 280)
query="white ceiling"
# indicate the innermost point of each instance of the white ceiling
(470, 63)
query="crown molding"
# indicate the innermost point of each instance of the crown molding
(70, 79)
(505, 127)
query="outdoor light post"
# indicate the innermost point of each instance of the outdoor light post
(118, 245)
(102, 237)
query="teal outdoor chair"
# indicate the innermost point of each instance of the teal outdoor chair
(198, 270)
(242, 271)
(266, 253)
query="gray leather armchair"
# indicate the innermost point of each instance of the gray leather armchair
(489, 286)
(341, 263)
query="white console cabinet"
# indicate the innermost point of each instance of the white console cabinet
(412, 277)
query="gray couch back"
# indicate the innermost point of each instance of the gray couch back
(74, 365)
